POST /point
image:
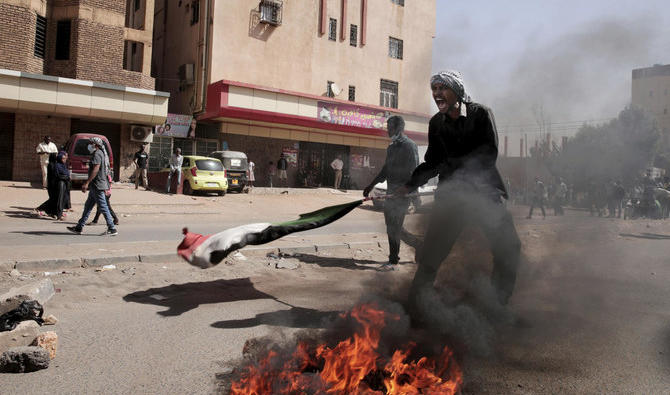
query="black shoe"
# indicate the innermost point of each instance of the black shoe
(74, 229)
(111, 232)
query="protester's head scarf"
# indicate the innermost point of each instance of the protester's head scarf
(454, 81)
(60, 156)
(97, 141)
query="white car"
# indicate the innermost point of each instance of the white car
(425, 191)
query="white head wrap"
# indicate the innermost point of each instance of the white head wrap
(454, 81)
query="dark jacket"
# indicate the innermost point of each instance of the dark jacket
(281, 164)
(402, 157)
(464, 150)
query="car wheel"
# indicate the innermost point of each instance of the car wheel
(221, 193)
(187, 189)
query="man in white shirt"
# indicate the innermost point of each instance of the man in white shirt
(45, 148)
(337, 166)
(176, 160)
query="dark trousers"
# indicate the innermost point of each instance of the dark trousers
(450, 216)
(394, 216)
(539, 203)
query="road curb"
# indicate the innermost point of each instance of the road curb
(60, 264)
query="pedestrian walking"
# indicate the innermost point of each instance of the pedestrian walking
(337, 165)
(539, 196)
(176, 161)
(251, 177)
(402, 157)
(96, 185)
(141, 160)
(271, 173)
(48, 208)
(108, 196)
(44, 149)
(462, 150)
(282, 165)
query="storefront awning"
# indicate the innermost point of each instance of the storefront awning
(234, 100)
(21, 91)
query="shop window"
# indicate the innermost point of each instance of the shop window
(160, 151)
(388, 94)
(40, 36)
(133, 56)
(63, 29)
(352, 93)
(205, 147)
(395, 48)
(332, 30)
(353, 35)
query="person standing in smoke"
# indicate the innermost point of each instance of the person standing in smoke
(402, 157)
(538, 198)
(462, 150)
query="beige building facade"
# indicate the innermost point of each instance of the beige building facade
(70, 66)
(312, 79)
(650, 90)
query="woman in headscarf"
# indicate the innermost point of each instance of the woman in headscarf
(62, 187)
(48, 208)
(108, 193)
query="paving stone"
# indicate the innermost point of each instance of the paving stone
(24, 359)
(23, 335)
(40, 291)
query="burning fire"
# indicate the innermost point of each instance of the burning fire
(353, 366)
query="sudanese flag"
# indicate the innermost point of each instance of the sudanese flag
(207, 251)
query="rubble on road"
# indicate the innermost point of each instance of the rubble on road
(48, 341)
(286, 264)
(50, 320)
(41, 291)
(23, 335)
(24, 359)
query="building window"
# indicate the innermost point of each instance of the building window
(395, 48)
(352, 93)
(353, 35)
(195, 12)
(329, 89)
(40, 36)
(388, 94)
(133, 56)
(63, 40)
(137, 4)
(186, 146)
(205, 147)
(398, 2)
(332, 29)
(161, 150)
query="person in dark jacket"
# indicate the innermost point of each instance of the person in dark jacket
(402, 157)
(462, 150)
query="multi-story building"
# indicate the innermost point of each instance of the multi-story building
(311, 79)
(69, 66)
(651, 91)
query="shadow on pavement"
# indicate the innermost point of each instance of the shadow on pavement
(295, 317)
(180, 298)
(650, 236)
(345, 263)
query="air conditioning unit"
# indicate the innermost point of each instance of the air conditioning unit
(141, 133)
(271, 12)
(187, 73)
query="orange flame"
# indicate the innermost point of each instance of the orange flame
(345, 367)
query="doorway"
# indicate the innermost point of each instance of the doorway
(7, 147)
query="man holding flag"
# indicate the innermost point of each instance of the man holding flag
(402, 157)
(462, 150)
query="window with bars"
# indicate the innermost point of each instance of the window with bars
(204, 147)
(332, 29)
(40, 36)
(388, 94)
(353, 35)
(352, 93)
(395, 48)
(160, 151)
(63, 29)
(398, 2)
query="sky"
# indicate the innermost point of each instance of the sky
(560, 63)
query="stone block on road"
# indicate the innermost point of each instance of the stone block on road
(6, 266)
(48, 264)
(333, 246)
(23, 335)
(24, 360)
(297, 250)
(48, 341)
(40, 291)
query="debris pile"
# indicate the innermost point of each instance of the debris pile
(23, 348)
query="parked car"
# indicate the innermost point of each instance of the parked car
(425, 195)
(79, 156)
(203, 174)
(236, 166)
